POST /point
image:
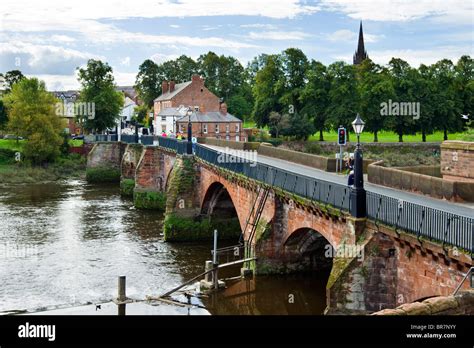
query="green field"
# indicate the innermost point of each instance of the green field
(386, 136)
(390, 137)
(12, 144)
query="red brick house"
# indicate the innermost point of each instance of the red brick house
(209, 118)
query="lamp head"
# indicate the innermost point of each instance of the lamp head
(358, 125)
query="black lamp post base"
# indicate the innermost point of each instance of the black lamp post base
(358, 201)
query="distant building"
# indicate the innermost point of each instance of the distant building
(67, 97)
(213, 124)
(3, 85)
(209, 116)
(128, 109)
(130, 92)
(361, 54)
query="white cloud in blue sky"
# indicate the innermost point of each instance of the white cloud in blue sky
(51, 38)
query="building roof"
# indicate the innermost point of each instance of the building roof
(177, 88)
(211, 116)
(129, 91)
(67, 96)
(173, 112)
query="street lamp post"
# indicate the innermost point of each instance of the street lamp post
(189, 144)
(358, 194)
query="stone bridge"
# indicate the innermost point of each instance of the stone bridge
(369, 265)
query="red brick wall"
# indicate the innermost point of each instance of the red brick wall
(197, 129)
(457, 160)
(153, 169)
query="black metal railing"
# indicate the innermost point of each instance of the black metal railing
(422, 221)
(336, 195)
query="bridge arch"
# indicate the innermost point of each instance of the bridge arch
(217, 204)
(309, 250)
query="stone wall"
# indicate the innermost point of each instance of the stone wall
(460, 304)
(412, 181)
(457, 161)
(151, 176)
(103, 162)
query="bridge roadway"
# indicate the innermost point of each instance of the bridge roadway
(443, 205)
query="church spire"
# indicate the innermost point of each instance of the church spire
(361, 53)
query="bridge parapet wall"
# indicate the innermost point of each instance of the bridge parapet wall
(103, 162)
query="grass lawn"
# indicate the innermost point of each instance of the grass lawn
(384, 136)
(391, 137)
(76, 142)
(12, 144)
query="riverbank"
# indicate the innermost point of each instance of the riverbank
(72, 166)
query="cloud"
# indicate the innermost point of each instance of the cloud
(351, 36)
(453, 11)
(159, 58)
(260, 26)
(41, 59)
(125, 61)
(278, 35)
(175, 26)
(415, 57)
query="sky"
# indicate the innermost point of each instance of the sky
(49, 39)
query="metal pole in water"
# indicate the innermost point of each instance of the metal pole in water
(121, 289)
(122, 296)
(214, 262)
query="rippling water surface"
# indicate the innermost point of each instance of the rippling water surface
(66, 244)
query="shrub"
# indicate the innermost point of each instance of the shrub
(149, 200)
(102, 174)
(126, 187)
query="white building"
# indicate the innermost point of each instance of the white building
(166, 119)
(128, 109)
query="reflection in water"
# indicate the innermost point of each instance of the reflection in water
(265, 295)
(66, 244)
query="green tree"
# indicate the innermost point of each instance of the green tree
(315, 96)
(32, 115)
(301, 126)
(278, 123)
(3, 115)
(11, 77)
(447, 102)
(267, 90)
(375, 88)
(239, 106)
(465, 84)
(403, 80)
(98, 87)
(147, 82)
(343, 95)
(294, 66)
(423, 94)
(179, 70)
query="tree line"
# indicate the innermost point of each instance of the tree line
(296, 96)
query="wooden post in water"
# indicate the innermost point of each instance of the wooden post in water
(215, 263)
(122, 296)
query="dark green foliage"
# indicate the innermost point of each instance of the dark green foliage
(149, 200)
(7, 156)
(102, 174)
(126, 187)
(181, 229)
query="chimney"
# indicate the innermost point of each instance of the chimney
(172, 86)
(223, 108)
(197, 79)
(164, 87)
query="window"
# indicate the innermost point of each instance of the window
(196, 108)
(217, 128)
(237, 138)
(227, 128)
(163, 128)
(181, 128)
(227, 137)
(204, 128)
(237, 128)
(163, 118)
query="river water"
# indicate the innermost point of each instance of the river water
(64, 244)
